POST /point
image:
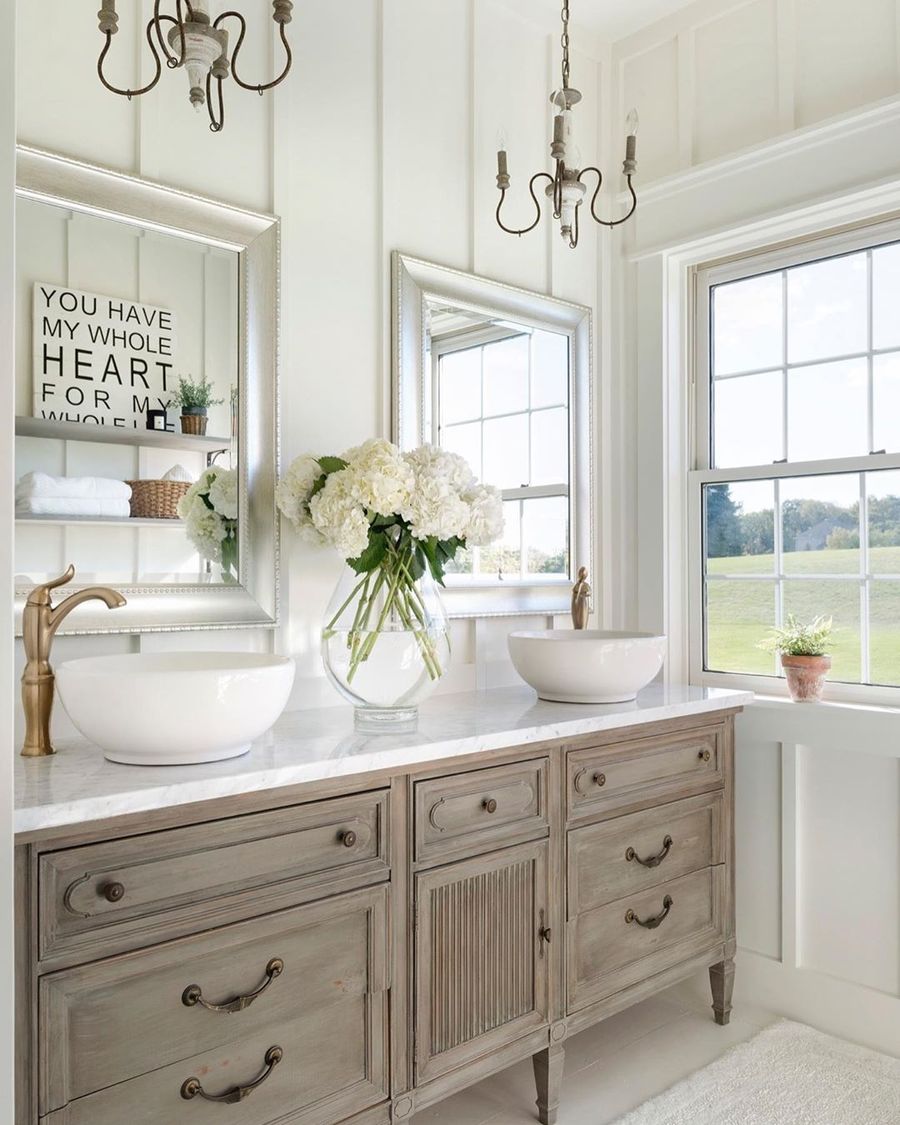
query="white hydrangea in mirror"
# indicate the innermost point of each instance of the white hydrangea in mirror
(397, 519)
(209, 509)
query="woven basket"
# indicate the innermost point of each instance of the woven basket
(194, 424)
(156, 499)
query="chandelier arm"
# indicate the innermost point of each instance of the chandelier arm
(262, 86)
(172, 61)
(610, 222)
(215, 122)
(130, 93)
(557, 190)
(576, 229)
(537, 206)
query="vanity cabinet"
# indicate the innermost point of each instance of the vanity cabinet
(322, 957)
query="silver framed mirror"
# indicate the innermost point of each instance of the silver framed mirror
(502, 376)
(204, 277)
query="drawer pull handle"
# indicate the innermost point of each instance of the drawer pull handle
(192, 1088)
(348, 839)
(704, 755)
(489, 805)
(598, 779)
(544, 933)
(113, 892)
(193, 994)
(656, 920)
(654, 860)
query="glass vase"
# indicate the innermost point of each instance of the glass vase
(386, 642)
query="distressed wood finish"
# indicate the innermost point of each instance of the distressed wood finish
(608, 952)
(472, 812)
(448, 942)
(678, 838)
(644, 771)
(274, 859)
(125, 1017)
(481, 964)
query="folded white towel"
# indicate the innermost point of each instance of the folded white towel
(72, 506)
(34, 485)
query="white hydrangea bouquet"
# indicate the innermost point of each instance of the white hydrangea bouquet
(209, 509)
(396, 518)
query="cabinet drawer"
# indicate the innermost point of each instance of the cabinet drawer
(106, 898)
(644, 770)
(631, 853)
(630, 940)
(135, 1031)
(467, 813)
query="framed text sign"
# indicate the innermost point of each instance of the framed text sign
(104, 361)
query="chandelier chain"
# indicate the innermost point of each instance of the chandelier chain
(565, 44)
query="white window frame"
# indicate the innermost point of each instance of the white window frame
(479, 338)
(703, 279)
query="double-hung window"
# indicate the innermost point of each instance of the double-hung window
(502, 396)
(796, 491)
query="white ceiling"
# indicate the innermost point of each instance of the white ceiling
(611, 19)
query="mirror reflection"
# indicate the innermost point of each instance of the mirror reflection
(127, 393)
(500, 398)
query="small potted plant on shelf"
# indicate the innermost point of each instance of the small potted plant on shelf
(804, 656)
(195, 399)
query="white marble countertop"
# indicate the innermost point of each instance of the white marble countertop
(78, 785)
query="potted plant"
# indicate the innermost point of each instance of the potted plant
(804, 656)
(195, 399)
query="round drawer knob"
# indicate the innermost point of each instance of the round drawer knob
(348, 839)
(704, 755)
(600, 779)
(113, 892)
(489, 805)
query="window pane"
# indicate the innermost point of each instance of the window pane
(738, 616)
(550, 447)
(827, 308)
(748, 413)
(886, 296)
(884, 633)
(740, 528)
(820, 524)
(550, 371)
(466, 441)
(506, 451)
(884, 523)
(886, 376)
(506, 376)
(747, 325)
(828, 411)
(546, 534)
(505, 557)
(460, 385)
(839, 600)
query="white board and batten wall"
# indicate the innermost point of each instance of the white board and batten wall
(763, 121)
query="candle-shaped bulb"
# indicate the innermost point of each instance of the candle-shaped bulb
(502, 140)
(631, 124)
(632, 121)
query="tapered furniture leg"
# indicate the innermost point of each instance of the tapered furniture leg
(721, 980)
(548, 1074)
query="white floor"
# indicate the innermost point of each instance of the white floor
(610, 1068)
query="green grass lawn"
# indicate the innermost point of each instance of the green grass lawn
(740, 614)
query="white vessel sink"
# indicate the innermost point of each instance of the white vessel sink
(174, 708)
(587, 665)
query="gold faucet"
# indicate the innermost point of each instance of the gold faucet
(40, 620)
(581, 600)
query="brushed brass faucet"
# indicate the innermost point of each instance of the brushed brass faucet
(40, 620)
(581, 600)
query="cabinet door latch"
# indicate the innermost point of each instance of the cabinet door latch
(544, 933)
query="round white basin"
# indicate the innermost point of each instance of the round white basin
(587, 665)
(174, 708)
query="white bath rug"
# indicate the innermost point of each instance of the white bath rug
(789, 1074)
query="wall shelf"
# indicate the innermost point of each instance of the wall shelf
(98, 521)
(109, 435)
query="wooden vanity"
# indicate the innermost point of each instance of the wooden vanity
(355, 948)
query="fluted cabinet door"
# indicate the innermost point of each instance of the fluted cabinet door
(481, 961)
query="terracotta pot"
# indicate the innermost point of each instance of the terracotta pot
(806, 676)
